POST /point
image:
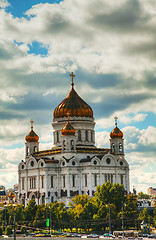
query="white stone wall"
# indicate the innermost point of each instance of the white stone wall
(99, 169)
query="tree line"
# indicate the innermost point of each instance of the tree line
(110, 206)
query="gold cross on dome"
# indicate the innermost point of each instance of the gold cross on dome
(32, 124)
(72, 75)
(68, 114)
(116, 118)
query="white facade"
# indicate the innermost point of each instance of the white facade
(74, 166)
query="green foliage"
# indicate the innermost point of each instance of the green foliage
(142, 195)
(1, 231)
(30, 210)
(80, 199)
(19, 213)
(110, 193)
(8, 230)
(23, 230)
(144, 216)
(130, 211)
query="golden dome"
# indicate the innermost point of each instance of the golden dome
(11, 194)
(68, 129)
(116, 132)
(32, 136)
(73, 105)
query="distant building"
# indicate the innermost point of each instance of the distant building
(151, 191)
(2, 194)
(146, 203)
(74, 165)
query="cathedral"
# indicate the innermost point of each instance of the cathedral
(74, 166)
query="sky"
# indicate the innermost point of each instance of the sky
(111, 48)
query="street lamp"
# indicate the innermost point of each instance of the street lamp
(122, 221)
(109, 218)
(123, 234)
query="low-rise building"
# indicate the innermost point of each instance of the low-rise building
(151, 191)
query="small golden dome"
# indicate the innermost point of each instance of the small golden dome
(11, 195)
(32, 136)
(68, 129)
(74, 105)
(116, 132)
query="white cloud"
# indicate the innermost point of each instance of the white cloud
(97, 37)
(142, 163)
(4, 3)
(148, 136)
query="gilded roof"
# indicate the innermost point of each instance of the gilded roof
(32, 136)
(68, 129)
(116, 133)
(58, 150)
(73, 105)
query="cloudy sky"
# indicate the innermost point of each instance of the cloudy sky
(109, 45)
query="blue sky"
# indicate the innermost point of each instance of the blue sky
(110, 46)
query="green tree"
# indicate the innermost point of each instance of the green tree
(144, 216)
(110, 193)
(80, 199)
(19, 213)
(81, 211)
(30, 210)
(40, 217)
(142, 195)
(130, 212)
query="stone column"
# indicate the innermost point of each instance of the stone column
(127, 180)
(26, 184)
(101, 177)
(79, 181)
(68, 183)
(46, 186)
(90, 183)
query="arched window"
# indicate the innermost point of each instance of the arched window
(64, 145)
(27, 151)
(86, 135)
(57, 136)
(120, 147)
(64, 180)
(91, 136)
(95, 180)
(79, 135)
(35, 149)
(73, 178)
(72, 145)
(43, 199)
(85, 180)
(109, 177)
(113, 147)
(112, 178)
(33, 197)
(121, 178)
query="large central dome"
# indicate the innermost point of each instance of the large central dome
(74, 106)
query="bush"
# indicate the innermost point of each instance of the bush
(8, 230)
(23, 230)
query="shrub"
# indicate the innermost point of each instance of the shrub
(8, 230)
